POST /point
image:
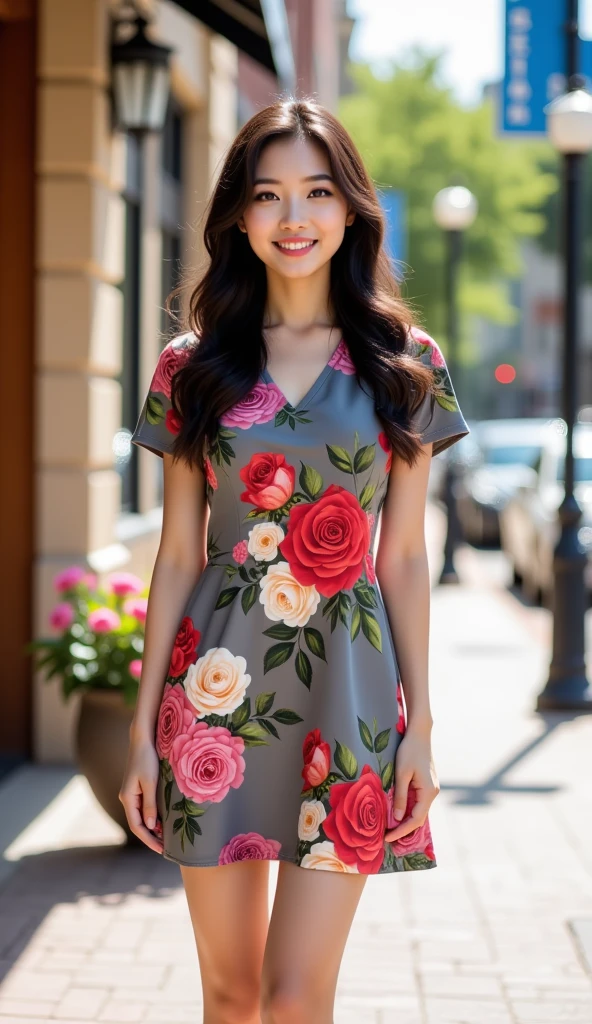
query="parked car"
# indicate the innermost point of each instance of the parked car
(529, 522)
(508, 449)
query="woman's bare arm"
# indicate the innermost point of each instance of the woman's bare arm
(181, 557)
(403, 574)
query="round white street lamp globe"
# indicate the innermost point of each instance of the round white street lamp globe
(454, 208)
(569, 122)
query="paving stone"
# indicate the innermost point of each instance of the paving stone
(118, 1011)
(80, 1004)
(26, 1007)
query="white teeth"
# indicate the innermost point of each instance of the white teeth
(295, 245)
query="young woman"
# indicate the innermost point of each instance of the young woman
(296, 414)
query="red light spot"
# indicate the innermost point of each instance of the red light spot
(505, 373)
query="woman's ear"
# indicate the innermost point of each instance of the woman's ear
(241, 225)
(350, 218)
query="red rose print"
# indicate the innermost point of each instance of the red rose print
(317, 759)
(172, 422)
(185, 647)
(327, 541)
(385, 444)
(356, 822)
(370, 570)
(401, 719)
(210, 475)
(269, 481)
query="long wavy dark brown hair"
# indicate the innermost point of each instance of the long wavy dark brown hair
(226, 308)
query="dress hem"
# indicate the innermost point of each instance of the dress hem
(291, 860)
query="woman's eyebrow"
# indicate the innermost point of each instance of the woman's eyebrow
(276, 181)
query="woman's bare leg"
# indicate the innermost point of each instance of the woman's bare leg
(228, 905)
(310, 922)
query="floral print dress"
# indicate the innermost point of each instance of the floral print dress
(282, 709)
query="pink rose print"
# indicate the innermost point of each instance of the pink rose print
(370, 571)
(418, 841)
(175, 716)
(317, 759)
(240, 552)
(125, 583)
(401, 719)
(62, 616)
(103, 620)
(386, 447)
(268, 479)
(371, 519)
(249, 846)
(341, 360)
(210, 475)
(207, 761)
(436, 357)
(172, 422)
(259, 406)
(170, 360)
(68, 578)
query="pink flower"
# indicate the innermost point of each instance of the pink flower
(436, 357)
(401, 719)
(124, 583)
(172, 422)
(135, 668)
(418, 841)
(370, 572)
(68, 578)
(136, 606)
(90, 580)
(210, 475)
(175, 716)
(385, 444)
(249, 846)
(170, 360)
(341, 360)
(62, 616)
(371, 518)
(103, 620)
(259, 406)
(240, 552)
(207, 761)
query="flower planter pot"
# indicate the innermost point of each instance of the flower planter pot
(102, 739)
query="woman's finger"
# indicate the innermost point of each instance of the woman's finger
(132, 803)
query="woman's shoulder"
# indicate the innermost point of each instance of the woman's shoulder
(422, 346)
(173, 355)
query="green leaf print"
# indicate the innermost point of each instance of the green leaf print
(168, 789)
(285, 716)
(277, 655)
(315, 642)
(310, 481)
(281, 632)
(154, 410)
(413, 861)
(253, 734)
(370, 628)
(226, 597)
(242, 713)
(270, 727)
(365, 734)
(303, 668)
(449, 403)
(345, 760)
(386, 775)
(249, 596)
(364, 458)
(340, 458)
(365, 595)
(264, 703)
(354, 627)
(381, 741)
(366, 496)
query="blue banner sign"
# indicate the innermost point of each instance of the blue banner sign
(394, 207)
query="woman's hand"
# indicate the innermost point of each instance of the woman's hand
(413, 766)
(138, 791)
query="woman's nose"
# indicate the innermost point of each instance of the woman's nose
(293, 214)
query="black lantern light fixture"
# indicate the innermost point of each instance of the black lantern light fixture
(141, 81)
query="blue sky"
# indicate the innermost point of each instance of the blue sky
(471, 32)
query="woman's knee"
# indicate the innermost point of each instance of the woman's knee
(293, 1003)
(233, 1001)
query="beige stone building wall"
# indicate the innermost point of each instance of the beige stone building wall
(80, 264)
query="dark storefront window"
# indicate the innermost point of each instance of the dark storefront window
(127, 458)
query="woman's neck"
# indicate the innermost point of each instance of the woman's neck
(298, 303)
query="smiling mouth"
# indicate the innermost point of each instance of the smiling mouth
(296, 248)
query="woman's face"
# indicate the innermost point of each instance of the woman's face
(296, 217)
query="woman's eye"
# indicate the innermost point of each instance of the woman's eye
(325, 190)
(263, 195)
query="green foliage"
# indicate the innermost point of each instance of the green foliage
(414, 136)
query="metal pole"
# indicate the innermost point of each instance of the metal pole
(567, 688)
(453, 531)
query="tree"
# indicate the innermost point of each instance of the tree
(414, 136)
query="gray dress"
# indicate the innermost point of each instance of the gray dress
(282, 709)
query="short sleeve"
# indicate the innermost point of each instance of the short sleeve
(158, 424)
(438, 418)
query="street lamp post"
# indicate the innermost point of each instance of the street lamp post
(569, 120)
(454, 211)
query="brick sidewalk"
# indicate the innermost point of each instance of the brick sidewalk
(99, 933)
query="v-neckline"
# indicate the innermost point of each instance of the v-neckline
(314, 387)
